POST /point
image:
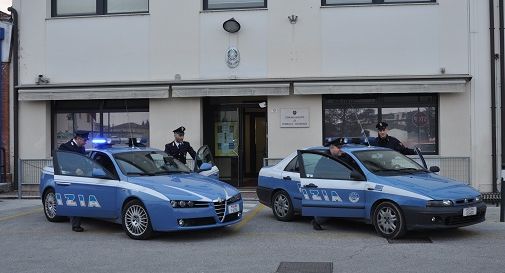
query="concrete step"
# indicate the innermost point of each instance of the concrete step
(4, 187)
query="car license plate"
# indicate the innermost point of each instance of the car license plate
(233, 208)
(470, 211)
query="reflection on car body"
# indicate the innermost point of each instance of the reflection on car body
(143, 189)
(384, 188)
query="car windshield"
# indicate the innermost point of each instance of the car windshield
(141, 163)
(388, 162)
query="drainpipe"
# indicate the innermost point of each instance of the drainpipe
(15, 103)
(502, 85)
(2, 153)
(493, 91)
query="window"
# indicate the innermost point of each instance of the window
(323, 167)
(293, 166)
(74, 164)
(353, 2)
(413, 119)
(97, 7)
(233, 4)
(117, 120)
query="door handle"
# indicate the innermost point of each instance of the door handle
(311, 185)
(286, 177)
(63, 183)
(370, 189)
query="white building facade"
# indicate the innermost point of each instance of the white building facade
(297, 71)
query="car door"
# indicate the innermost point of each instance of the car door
(291, 181)
(203, 155)
(327, 187)
(83, 187)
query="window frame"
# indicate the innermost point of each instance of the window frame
(206, 6)
(101, 107)
(101, 9)
(380, 101)
(377, 2)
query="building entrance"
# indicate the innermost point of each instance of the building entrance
(235, 129)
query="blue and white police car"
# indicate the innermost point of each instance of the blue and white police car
(377, 185)
(143, 189)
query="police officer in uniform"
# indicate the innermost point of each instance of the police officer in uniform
(387, 141)
(335, 150)
(76, 145)
(179, 148)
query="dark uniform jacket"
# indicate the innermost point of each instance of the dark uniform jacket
(394, 144)
(180, 152)
(72, 147)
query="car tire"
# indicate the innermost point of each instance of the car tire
(50, 206)
(136, 221)
(388, 220)
(282, 206)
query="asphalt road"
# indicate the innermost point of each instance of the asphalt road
(28, 243)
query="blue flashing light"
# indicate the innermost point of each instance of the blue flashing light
(99, 140)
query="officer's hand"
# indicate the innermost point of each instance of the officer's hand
(79, 172)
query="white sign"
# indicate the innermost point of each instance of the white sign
(295, 118)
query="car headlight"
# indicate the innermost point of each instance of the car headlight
(439, 203)
(235, 198)
(478, 198)
(182, 204)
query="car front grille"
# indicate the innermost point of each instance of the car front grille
(220, 208)
(461, 220)
(465, 201)
(231, 217)
(203, 221)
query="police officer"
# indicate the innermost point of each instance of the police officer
(179, 148)
(76, 145)
(387, 141)
(335, 150)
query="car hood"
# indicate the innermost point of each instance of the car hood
(431, 185)
(194, 187)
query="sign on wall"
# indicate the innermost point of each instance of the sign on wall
(295, 118)
(226, 138)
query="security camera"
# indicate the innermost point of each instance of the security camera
(262, 104)
(42, 80)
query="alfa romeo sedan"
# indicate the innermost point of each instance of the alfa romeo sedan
(376, 185)
(143, 189)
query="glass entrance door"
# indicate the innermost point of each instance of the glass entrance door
(235, 130)
(226, 143)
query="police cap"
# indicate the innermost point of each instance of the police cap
(337, 141)
(82, 134)
(381, 125)
(180, 130)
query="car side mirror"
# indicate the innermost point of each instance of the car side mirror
(434, 169)
(355, 175)
(100, 173)
(205, 167)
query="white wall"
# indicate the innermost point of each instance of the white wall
(34, 130)
(166, 115)
(480, 96)
(283, 141)
(455, 124)
(176, 37)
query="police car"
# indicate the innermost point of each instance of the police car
(377, 185)
(143, 189)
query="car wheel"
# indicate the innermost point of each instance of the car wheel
(388, 220)
(282, 206)
(50, 204)
(136, 221)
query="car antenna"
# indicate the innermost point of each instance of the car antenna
(359, 122)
